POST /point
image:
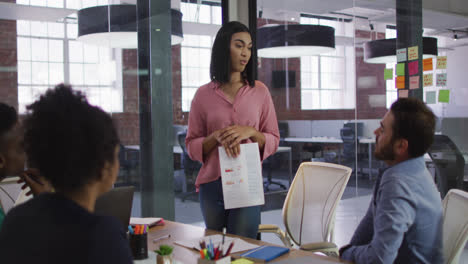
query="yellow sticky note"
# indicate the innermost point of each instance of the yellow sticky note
(400, 69)
(413, 53)
(242, 261)
(427, 80)
(441, 62)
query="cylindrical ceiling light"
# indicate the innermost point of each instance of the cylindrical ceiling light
(287, 41)
(384, 50)
(116, 26)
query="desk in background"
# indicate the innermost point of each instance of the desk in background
(332, 140)
(179, 231)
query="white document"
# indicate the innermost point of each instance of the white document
(242, 177)
(151, 221)
(239, 244)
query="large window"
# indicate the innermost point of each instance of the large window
(48, 54)
(327, 81)
(196, 49)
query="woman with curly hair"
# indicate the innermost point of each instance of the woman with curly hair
(75, 147)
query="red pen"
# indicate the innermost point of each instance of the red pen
(229, 249)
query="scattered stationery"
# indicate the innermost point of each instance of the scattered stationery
(237, 243)
(138, 229)
(265, 253)
(241, 177)
(150, 221)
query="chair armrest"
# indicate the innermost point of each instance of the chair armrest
(277, 231)
(328, 248)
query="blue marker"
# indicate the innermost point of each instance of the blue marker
(130, 229)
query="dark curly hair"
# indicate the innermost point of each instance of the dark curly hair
(415, 122)
(8, 119)
(67, 139)
(220, 67)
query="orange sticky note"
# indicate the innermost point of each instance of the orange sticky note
(427, 64)
(400, 82)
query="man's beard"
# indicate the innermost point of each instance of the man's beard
(386, 152)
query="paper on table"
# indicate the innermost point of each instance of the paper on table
(145, 221)
(242, 177)
(239, 244)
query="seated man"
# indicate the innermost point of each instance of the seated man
(75, 147)
(12, 156)
(404, 221)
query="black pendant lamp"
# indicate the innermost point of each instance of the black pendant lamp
(116, 26)
(287, 41)
(384, 50)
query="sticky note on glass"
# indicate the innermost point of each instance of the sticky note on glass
(400, 82)
(427, 79)
(400, 69)
(388, 74)
(402, 93)
(414, 82)
(430, 97)
(441, 62)
(413, 53)
(401, 55)
(427, 64)
(441, 79)
(413, 67)
(444, 96)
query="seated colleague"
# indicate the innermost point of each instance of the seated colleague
(404, 221)
(12, 156)
(75, 147)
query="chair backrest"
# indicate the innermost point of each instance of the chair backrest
(349, 145)
(455, 228)
(449, 162)
(189, 165)
(309, 208)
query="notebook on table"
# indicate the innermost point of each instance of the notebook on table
(118, 203)
(264, 253)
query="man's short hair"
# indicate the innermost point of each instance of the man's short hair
(415, 122)
(8, 119)
(68, 139)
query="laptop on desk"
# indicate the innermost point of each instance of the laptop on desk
(118, 203)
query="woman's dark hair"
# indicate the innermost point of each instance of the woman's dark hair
(67, 139)
(220, 67)
(415, 122)
(8, 119)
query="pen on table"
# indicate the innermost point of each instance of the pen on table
(162, 237)
(229, 249)
(224, 234)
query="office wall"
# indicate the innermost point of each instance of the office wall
(328, 128)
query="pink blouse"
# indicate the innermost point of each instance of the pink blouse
(211, 110)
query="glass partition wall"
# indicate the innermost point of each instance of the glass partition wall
(328, 100)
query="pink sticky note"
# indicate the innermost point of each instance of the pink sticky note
(403, 94)
(413, 67)
(414, 82)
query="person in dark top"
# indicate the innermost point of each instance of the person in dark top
(75, 147)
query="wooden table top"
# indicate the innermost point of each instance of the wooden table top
(179, 231)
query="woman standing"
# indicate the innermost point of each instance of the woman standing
(232, 109)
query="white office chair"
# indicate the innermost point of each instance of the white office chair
(455, 228)
(309, 208)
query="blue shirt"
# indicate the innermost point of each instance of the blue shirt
(404, 221)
